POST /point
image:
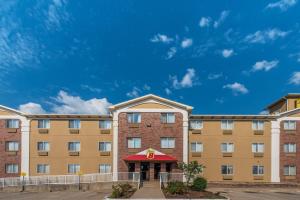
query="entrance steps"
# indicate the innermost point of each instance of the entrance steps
(150, 190)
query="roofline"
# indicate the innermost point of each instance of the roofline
(63, 116)
(12, 110)
(287, 112)
(282, 98)
(233, 116)
(113, 107)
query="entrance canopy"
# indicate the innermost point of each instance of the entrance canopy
(150, 155)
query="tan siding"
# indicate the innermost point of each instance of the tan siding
(150, 106)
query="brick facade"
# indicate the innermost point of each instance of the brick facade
(290, 136)
(150, 130)
(9, 157)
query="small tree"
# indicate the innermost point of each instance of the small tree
(190, 170)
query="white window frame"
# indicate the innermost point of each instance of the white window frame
(169, 143)
(134, 142)
(227, 124)
(291, 170)
(43, 123)
(134, 118)
(198, 147)
(107, 146)
(167, 118)
(290, 148)
(44, 144)
(74, 124)
(12, 123)
(229, 168)
(77, 146)
(73, 168)
(229, 147)
(256, 147)
(196, 124)
(12, 146)
(258, 125)
(105, 124)
(104, 168)
(287, 125)
(42, 169)
(259, 170)
(11, 168)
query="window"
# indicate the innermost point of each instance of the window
(12, 146)
(74, 146)
(105, 124)
(289, 125)
(258, 125)
(257, 147)
(289, 170)
(43, 146)
(196, 124)
(227, 147)
(104, 168)
(167, 143)
(73, 168)
(227, 169)
(167, 118)
(74, 123)
(11, 168)
(134, 118)
(43, 123)
(258, 170)
(104, 146)
(134, 142)
(289, 148)
(196, 147)
(42, 169)
(12, 123)
(227, 124)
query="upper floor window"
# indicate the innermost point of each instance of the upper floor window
(258, 170)
(258, 125)
(43, 123)
(105, 146)
(74, 146)
(167, 142)
(134, 142)
(258, 147)
(167, 118)
(227, 124)
(289, 125)
(227, 147)
(74, 123)
(289, 170)
(73, 168)
(196, 124)
(105, 124)
(196, 147)
(42, 168)
(289, 148)
(43, 146)
(12, 146)
(11, 168)
(134, 118)
(12, 123)
(104, 168)
(227, 169)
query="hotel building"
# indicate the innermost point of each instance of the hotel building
(150, 135)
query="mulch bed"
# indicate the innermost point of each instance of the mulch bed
(194, 195)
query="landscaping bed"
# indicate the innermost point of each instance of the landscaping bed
(122, 191)
(194, 195)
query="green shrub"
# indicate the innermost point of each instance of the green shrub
(122, 190)
(176, 187)
(199, 184)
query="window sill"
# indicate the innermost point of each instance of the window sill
(168, 125)
(105, 131)
(227, 154)
(290, 132)
(196, 131)
(227, 177)
(227, 132)
(11, 130)
(74, 131)
(258, 155)
(74, 153)
(134, 125)
(43, 153)
(44, 131)
(12, 153)
(290, 154)
(105, 153)
(196, 154)
(289, 177)
(258, 177)
(258, 132)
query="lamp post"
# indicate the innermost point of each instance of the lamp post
(23, 174)
(80, 173)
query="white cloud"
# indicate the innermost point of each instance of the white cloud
(226, 53)
(264, 65)
(171, 53)
(205, 22)
(214, 76)
(91, 89)
(32, 108)
(168, 91)
(265, 36)
(237, 88)
(295, 78)
(264, 112)
(223, 16)
(283, 5)
(56, 14)
(187, 81)
(146, 87)
(187, 42)
(134, 93)
(161, 38)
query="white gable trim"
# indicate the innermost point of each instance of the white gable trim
(146, 151)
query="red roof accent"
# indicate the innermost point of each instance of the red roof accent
(144, 158)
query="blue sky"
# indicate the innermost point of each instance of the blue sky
(222, 57)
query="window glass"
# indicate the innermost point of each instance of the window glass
(289, 125)
(104, 168)
(105, 124)
(289, 170)
(74, 123)
(227, 124)
(73, 168)
(196, 124)
(167, 118)
(290, 148)
(43, 146)
(196, 147)
(74, 146)
(258, 125)
(43, 123)
(42, 168)
(105, 146)
(12, 146)
(227, 147)
(167, 142)
(227, 169)
(12, 123)
(134, 118)
(258, 147)
(11, 168)
(257, 170)
(134, 142)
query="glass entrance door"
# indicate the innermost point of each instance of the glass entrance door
(145, 171)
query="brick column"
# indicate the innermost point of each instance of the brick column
(151, 171)
(162, 167)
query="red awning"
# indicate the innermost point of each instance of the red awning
(144, 158)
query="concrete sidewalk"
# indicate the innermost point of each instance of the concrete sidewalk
(150, 190)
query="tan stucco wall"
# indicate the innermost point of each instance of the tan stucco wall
(242, 159)
(292, 103)
(58, 138)
(4, 112)
(150, 106)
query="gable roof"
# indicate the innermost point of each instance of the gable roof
(148, 97)
(11, 110)
(290, 112)
(289, 95)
